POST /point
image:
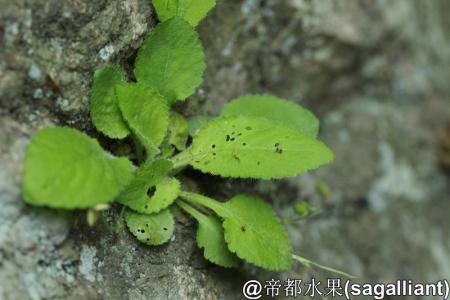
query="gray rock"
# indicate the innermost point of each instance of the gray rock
(375, 72)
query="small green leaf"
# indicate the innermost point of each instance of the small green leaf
(252, 230)
(197, 123)
(253, 147)
(146, 112)
(192, 11)
(275, 109)
(304, 209)
(210, 237)
(178, 131)
(171, 60)
(105, 112)
(153, 229)
(64, 168)
(151, 191)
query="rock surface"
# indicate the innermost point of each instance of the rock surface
(375, 72)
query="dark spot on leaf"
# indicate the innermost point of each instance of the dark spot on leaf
(151, 191)
(243, 144)
(146, 225)
(165, 228)
(279, 150)
(233, 133)
(277, 144)
(248, 128)
(258, 163)
(227, 138)
(232, 139)
(146, 206)
(243, 229)
(147, 239)
(214, 153)
(213, 146)
(236, 158)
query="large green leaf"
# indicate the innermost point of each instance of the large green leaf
(275, 109)
(210, 237)
(151, 176)
(171, 60)
(105, 112)
(252, 230)
(146, 113)
(192, 11)
(153, 229)
(64, 168)
(255, 233)
(253, 147)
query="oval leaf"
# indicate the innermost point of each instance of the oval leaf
(210, 237)
(275, 109)
(256, 234)
(192, 11)
(171, 60)
(254, 147)
(146, 112)
(64, 168)
(105, 112)
(153, 229)
(151, 191)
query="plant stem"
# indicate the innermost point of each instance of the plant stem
(308, 263)
(181, 159)
(198, 215)
(210, 203)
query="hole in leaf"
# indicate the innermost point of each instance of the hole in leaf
(151, 191)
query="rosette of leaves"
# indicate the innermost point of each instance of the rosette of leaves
(253, 137)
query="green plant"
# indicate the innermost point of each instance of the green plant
(255, 136)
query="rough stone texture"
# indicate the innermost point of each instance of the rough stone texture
(376, 72)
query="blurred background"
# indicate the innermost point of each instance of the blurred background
(375, 72)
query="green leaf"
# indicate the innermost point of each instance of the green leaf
(256, 234)
(146, 112)
(253, 147)
(105, 112)
(178, 131)
(171, 60)
(64, 168)
(151, 191)
(153, 229)
(252, 230)
(277, 110)
(210, 237)
(192, 11)
(197, 123)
